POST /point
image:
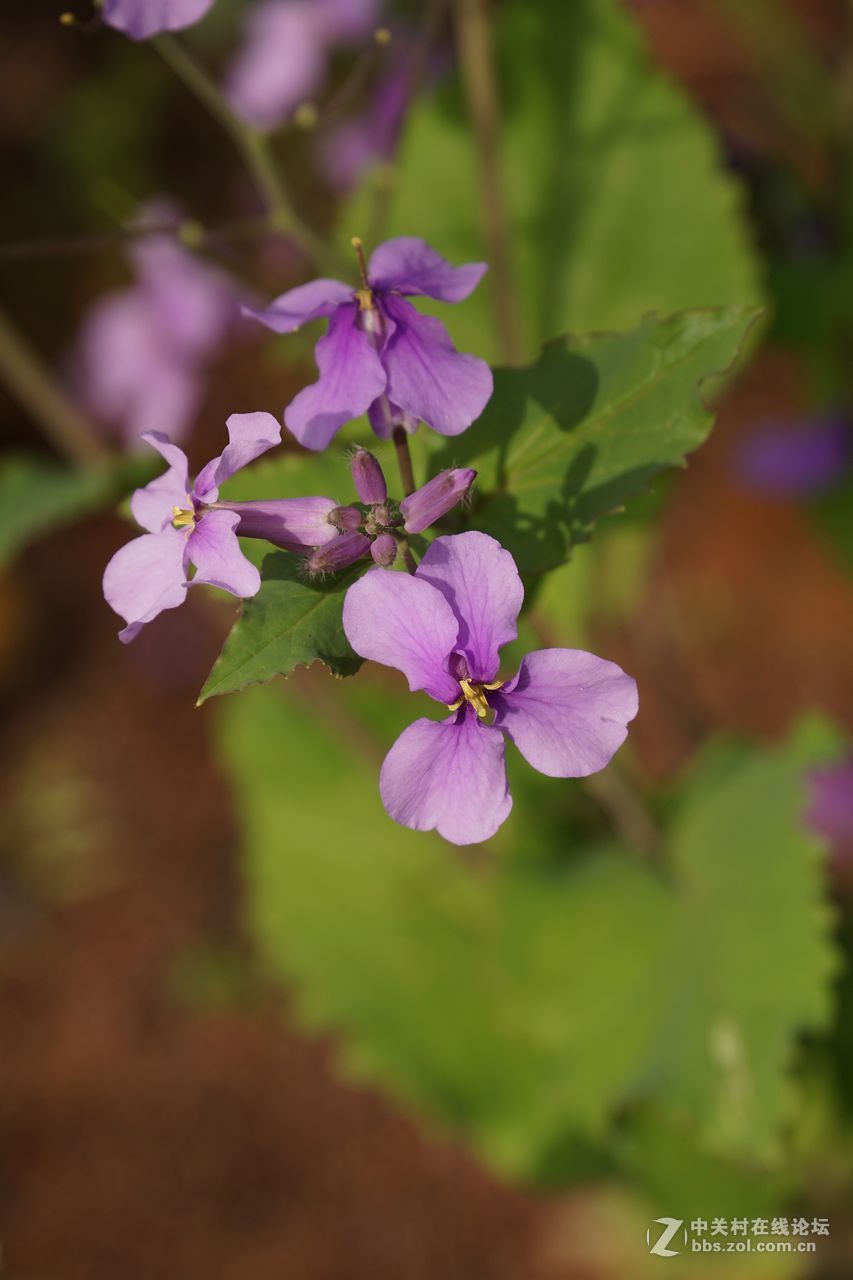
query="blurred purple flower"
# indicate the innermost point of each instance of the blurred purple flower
(567, 711)
(380, 356)
(802, 456)
(284, 56)
(830, 811)
(372, 137)
(141, 353)
(140, 19)
(187, 525)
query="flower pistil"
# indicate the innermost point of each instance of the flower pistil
(475, 695)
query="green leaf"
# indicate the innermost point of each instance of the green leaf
(37, 495)
(589, 425)
(290, 622)
(754, 960)
(617, 201)
(525, 1003)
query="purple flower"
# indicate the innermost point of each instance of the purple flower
(380, 356)
(284, 56)
(798, 457)
(141, 353)
(187, 525)
(565, 710)
(140, 19)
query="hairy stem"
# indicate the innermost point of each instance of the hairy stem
(475, 56)
(33, 385)
(404, 460)
(254, 149)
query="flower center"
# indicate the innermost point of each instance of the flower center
(182, 517)
(475, 695)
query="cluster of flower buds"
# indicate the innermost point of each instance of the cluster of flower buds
(375, 527)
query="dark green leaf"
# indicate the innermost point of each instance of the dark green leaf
(590, 424)
(288, 623)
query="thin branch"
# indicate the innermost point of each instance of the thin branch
(33, 385)
(255, 151)
(475, 56)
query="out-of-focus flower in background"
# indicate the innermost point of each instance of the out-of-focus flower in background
(796, 457)
(140, 19)
(141, 354)
(830, 810)
(285, 53)
(371, 137)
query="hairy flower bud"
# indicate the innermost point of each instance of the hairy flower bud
(435, 499)
(368, 477)
(346, 519)
(340, 553)
(384, 550)
(292, 523)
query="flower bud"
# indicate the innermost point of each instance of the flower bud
(435, 499)
(342, 551)
(296, 524)
(368, 478)
(346, 519)
(384, 550)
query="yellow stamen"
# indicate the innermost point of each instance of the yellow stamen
(365, 299)
(182, 518)
(475, 694)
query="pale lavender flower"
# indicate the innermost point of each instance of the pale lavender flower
(567, 711)
(380, 356)
(140, 19)
(140, 358)
(285, 53)
(186, 525)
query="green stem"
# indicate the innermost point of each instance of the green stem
(255, 151)
(473, 35)
(404, 460)
(33, 384)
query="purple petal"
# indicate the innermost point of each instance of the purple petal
(427, 377)
(405, 623)
(480, 582)
(175, 457)
(140, 19)
(448, 776)
(298, 306)
(127, 374)
(280, 64)
(567, 711)
(214, 549)
(296, 524)
(434, 499)
(351, 377)
(249, 435)
(409, 265)
(145, 577)
(153, 506)
(191, 305)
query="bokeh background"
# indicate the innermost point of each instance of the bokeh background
(250, 1028)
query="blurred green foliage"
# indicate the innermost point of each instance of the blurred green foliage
(617, 204)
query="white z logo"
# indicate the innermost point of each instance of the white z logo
(671, 1225)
